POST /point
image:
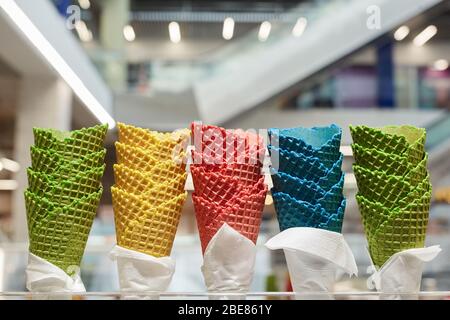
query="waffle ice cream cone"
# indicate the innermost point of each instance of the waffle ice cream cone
(400, 140)
(149, 195)
(63, 193)
(244, 216)
(307, 177)
(228, 182)
(49, 162)
(394, 188)
(144, 184)
(141, 159)
(150, 140)
(144, 227)
(73, 144)
(300, 166)
(319, 142)
(216, 145)
(294, 213)
(59, 234)
(386, 189)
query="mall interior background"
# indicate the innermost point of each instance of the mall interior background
(239, 64)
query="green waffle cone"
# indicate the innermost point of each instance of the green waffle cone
(390, 190)
(404, 229)
(64, 192)
(408, 141)
(373, 159)
(61, 233)
(74, 144)
(51, 163)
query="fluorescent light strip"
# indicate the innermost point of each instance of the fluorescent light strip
(228, 28)
(174, 32)
(423, 37)
(33, 34)
(264, 31)
(128, 33)
(8, 185)
(401, 33)
(299, 27)
(9, 165)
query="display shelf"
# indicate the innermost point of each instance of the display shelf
(363, 295)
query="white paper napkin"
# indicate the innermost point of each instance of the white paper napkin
(228, 262)
(316, 259)
(43, 276)
(139, 272)
(400, 276)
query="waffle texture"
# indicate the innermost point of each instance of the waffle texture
(394, 190)
(228, 182)
(148, 195)
(64, 190)
(307, 177)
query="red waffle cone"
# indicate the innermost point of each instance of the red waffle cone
(244, 216)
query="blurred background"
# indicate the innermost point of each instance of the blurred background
(240, 64)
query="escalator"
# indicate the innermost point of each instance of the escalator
(249, 72)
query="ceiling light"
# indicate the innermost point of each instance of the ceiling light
(440, 65)
(8, 185)
(83, 32)
(264, 31)
(401, 33)
(84, 4)
(9, 165)
(174, 32)
(299, 27)
(228, 28)
(21, 20)
(128, 33)
(423, 37)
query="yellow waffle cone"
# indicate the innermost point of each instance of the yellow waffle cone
(160, 145)
(143, 227)
(136, 182)
(140, 159)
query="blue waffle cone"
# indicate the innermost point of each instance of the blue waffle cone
(308, 168)
(292, 213)
(309, 191)
(319, 142)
